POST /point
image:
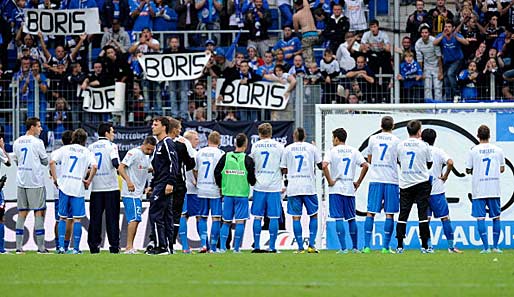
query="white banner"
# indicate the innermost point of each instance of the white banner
(106, 99)
(169, 67)
(62, 22)
(261, 95)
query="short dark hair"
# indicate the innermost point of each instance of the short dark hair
(66, 137)
(413, 127)
(429, 135)
(340, 133)
(79, 136)
(374, 22)
(265, 129)
(387, 123)
(300, 133)
(483, 133)
(150, 140)
(241, 140)
(31, 122)
(448, 21)
(104, 128)
(164, 121)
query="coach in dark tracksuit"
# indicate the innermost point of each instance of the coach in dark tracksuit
(164, 182)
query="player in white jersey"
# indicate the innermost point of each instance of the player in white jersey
(340, 167)
(383, 191)
(486, 162)
(76, 160)
(209, 195)
(105, 192)
(267, 154)
(415, 161)
(31, 158)
(437, 201)
(66, 140)
(134, 170)
(189, 209)
(4, 158)
(299, 163)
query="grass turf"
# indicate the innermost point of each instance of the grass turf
(245, 274)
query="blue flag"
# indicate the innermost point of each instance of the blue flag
(231, 51)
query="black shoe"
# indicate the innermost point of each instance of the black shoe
(114, 250)
(94, 251)
(158, 251)
(257, 251)
(43, 252)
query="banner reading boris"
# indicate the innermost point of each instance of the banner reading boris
(170, 67)
(262, 95)
(62, 22)
(106, 99)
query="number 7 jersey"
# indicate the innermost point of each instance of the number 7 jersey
(300, 159)
(383, 150)
(486, 160)
(206, 160)
(267, 154)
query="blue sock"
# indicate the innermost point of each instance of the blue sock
(66, 244)
(273, 233)
(341, 233)
(448, 232)
(238, 236)
(202, 229)
(182, 233)
(61, 230)
(57, 246)
(368, 231)
(483, 233)
(77, 234)
(297, 230)
(257, 227)
(224, 235)
(313, 231)
(496, 233)
(388, 232)
(352, 227)
(215, 234)
(2, 234)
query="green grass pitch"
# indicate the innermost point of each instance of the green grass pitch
(245, 274)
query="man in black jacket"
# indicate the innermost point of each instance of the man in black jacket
(337, 26)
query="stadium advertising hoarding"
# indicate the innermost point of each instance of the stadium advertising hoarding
(106, 99)
(172, 67)
(261, 95)
(62, 22)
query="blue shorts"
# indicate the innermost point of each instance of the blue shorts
(295, 203)
(478, 207)
(70, 206)
(438, 206)
(235, 208)
(382, 195)
(341, 207)
(212, 204)
(191, 205)
(268, 203)
(133, 209)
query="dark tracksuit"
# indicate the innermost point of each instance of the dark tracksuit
(165, 166)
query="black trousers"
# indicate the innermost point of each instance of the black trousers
(161, 218)
(420, 194)
(110, 203)
(179, 193)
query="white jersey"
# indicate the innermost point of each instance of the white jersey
(413, 155)
(300, 159)
(440, 159)
(106, 178)
(354, 11)
(344, 161)
(486, 159)
(137, 165)
(190, 177)
(28, 153)
(75, 160)
(383, 150)
(267, 154)
(206, 161)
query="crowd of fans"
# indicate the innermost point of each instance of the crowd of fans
(449, 53)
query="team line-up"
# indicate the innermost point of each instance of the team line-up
(185, 182)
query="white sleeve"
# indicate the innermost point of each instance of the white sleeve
(92, 159)
(317, 156)
(129, 158)
(283, 161)
(444, 156)
(428, 153)
(114, 152)
(3, 157)
(41, 150)
(501, 157)
(56, 155)
(328, 157)
(359, 159)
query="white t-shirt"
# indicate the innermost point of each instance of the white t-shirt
(28, 153)
(137, 165)
(58, 165)
(440, 159)
(413, 155)
(344, 161)
(106, 178)
(354, 11)
(206, 161)
(301, 159)
(267, 154)
(376, 42)
(190, 177)
(486, 159)
(75, 160)
(383, 150)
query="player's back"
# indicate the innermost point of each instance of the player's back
(206, 161)
(267, 155)
(413, 155)
(75, 160)
(383, 150)
(29, 151)
(137, 169)
(106, 178)
(486, 160)
(344, 161)
(190, 177)
(300, 159)
(439, 159)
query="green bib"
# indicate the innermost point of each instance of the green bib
(234, 180)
